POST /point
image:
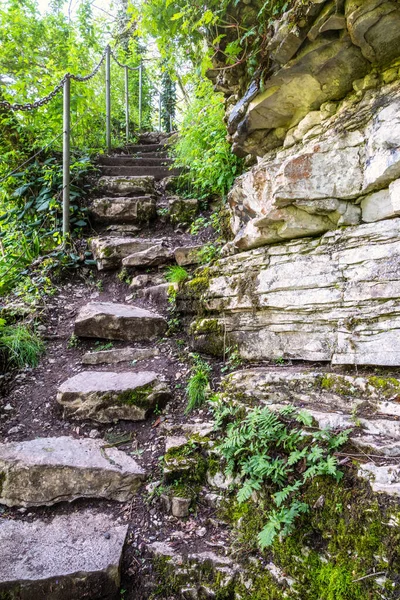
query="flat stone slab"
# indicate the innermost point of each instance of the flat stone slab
(126, 186)
(157, 254)
(107, 397)
(73, 556)
(44, 471)
(118, 355)
(137, 210)
(109, 251)
(112, 321)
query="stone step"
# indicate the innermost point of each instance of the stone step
(106, 397)
(157, 172)
(155, 255)
(150, 155)
(112, 321)
(72, 556)
(138, 184)
(137, 210)
(118, 355)
(133, 148)
(45, 471)
(109, 251)
(136, 161)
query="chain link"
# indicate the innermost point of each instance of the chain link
(122, 65)
(55, 91)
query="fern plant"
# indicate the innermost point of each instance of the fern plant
(275, 453)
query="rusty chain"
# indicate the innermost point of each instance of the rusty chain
(55, 91)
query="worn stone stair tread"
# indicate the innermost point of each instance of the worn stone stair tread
(143, 171)
(105, 397)
(135, 161)
(136, 209)
(73, 556)
(113, 321)
(145, 148)
(127, 185)
(155, 255)
(118, 355)
(109, 251)
(45, 471)
(159, 154)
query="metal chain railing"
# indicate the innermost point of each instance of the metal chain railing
(65, 85)
(55, 91)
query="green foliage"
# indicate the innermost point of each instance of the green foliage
(276, 454)
(31, 221)
(102, 346)
(176, 274)
(168, 100)
(73, 342)
(197, 225)
(39, 48)
(197, 387)
(202, 148)
(233, 360)
(20, 345)
(209, 252)
(336, 583)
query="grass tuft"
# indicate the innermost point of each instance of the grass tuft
(20, 345)
(198, 385)
(176, 274)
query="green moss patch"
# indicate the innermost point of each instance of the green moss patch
(138, 397)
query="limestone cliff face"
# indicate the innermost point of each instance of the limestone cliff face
(316, 53)
(333, 171)
(313, 270)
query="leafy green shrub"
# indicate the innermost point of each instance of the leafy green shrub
(202, 148)
(176, 274)
(31, 218)
(198, 384)
(275, 455)
(19, 345)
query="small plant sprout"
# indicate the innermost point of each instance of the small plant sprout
(73, 342)
(176, 274)
(100, 346)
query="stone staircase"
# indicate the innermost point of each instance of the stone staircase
(65, 553)
(78, 555)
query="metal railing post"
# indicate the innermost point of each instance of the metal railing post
(108, 99)
(140, 94)
(66, 154)
(127, 104)
(159, 112)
